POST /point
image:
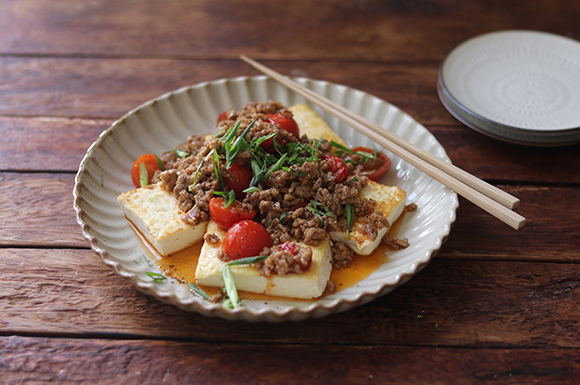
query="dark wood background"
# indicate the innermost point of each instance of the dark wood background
(495, 305)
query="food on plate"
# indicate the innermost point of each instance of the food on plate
(277, 198)
(156, 214)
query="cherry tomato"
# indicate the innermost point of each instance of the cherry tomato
(338, 167)
(284, 123)
(239, 179)
(292, 248)
(376, 168)
(246, 239)
(223, 116)
(288, 124)
(226, 217)
(151, 165)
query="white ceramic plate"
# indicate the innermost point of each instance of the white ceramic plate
(161, 124)
(523, 86)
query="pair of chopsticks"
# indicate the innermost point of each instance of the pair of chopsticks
(491, 199)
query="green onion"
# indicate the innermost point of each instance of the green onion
(320, 210)
(156, 276)
(251, 190)
(232, 150)
(366, 156)
(256, 142)
(230, 285)
(233, 299)
(216, 168)
(143, 175)
(198, 290)
(160, 163)
(182, 154)
(349, 219)
(317, 144)
(247, 261)
(190, 188)
(230, 134)
(229, 197)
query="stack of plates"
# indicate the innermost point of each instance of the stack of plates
(518, 86)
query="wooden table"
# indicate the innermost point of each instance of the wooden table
(495, 306)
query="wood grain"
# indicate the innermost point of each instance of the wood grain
(368, 30)
(449, 303)
(42, 211)
(46, 143)
(69, 361)
(109, 88)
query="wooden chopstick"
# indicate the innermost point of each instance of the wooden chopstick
(488, 197)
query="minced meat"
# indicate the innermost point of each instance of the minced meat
(300, 200)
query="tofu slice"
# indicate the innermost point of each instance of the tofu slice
(156, 214)
(310, 284)
(312, 125)
(390, 201)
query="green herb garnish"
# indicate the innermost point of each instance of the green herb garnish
(156, 276)
(320, 210)
(229, 197)
(160, 163)
(251, 190)
(216, 169)
(316, 144)
(230, 285)
(247, 261)
(198, 290)
(232, 150)
(182, 154)
(190, 188)
(142, 259)
(349, 219)
(143, 175)
(233, 299)
(365, 155)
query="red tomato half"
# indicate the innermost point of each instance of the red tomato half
(246, 239)
(374, 169)
(223, 116)
(226, 217)
(151, 165)
(338, 167)
(284, 123)
(288, 124)
(239, 179)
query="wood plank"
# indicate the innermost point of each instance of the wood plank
(109, 88)
(450, 303)
(46, 144)
(68, 361)
(369, 30)
(38, 211)
(549, 235)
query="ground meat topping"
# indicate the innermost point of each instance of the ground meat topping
(395, 243)
(289, 258)
(298, 199)
(341, 255)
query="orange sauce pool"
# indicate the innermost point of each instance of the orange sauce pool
(182, 265)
